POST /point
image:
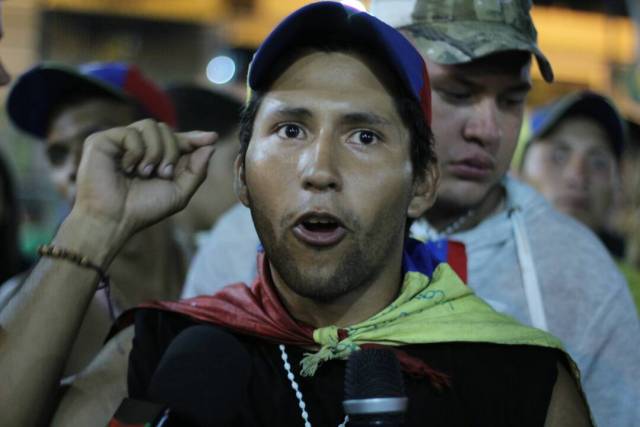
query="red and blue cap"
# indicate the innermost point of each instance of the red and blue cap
(38, 91)
(323, 21)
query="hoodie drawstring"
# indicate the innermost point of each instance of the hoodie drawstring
(529, 275)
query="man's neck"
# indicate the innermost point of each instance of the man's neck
(354, 307)
(442, 215)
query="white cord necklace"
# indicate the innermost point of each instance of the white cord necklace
(296, 389)
(433, 234)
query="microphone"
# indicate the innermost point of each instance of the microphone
(374, 389)
(201, 379)
(136, 413)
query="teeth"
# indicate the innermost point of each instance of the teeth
(319, 221)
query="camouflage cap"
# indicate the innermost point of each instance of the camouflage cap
(459, 31)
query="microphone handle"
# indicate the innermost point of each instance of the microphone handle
(139, 413)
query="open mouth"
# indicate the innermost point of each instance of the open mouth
(319, 229)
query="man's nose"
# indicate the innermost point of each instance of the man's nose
(319, 165)
(576, 173)
(483, 126)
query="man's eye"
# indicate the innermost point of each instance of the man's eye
(559, 155)
(513, 101)
(364, 137)
(57, 154)
(455, 95)
(600, 163)
(290, 131)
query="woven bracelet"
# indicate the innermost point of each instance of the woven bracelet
(57, 252)
(52, 251)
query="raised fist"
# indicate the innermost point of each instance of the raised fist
(136, 175)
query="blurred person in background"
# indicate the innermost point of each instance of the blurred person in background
(525, 258)
(573, 158)
(208, 110)
(97, 390)
(62, 106)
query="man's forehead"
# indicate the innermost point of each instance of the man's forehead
(286, 105)
(91, 113)
(342, 78)
(575, 124)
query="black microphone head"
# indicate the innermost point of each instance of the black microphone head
(374, 389)
(372, 373)
(202, 376)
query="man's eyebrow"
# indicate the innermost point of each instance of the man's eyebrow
(520, 87)
(293, 112)
(364, 118)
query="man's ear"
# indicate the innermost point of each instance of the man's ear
(425, 190)
(239, 182)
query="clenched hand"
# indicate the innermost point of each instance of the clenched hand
(134, 176)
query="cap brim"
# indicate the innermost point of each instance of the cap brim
(462, 42)
(38, 91)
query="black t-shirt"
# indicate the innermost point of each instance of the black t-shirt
(491, 385)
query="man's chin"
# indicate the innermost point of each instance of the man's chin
(463, 193)
(321, 276)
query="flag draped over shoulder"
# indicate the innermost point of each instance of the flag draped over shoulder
(433, 306)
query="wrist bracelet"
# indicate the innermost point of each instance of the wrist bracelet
(52, 251)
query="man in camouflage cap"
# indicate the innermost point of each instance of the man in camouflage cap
(524, 258)
(459, 31)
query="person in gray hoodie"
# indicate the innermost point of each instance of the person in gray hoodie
(525, 258)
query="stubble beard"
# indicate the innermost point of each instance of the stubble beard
(355, 267)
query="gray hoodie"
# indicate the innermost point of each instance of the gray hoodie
(528, 261)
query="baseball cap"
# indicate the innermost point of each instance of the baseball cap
(321, 22)
(38, 91)
(460, 31)
(584, 103)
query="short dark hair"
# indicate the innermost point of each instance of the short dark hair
(421, 137)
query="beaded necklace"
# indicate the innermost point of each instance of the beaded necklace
(296, 389)
(433, 234)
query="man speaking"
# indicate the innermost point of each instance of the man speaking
(336, 161)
